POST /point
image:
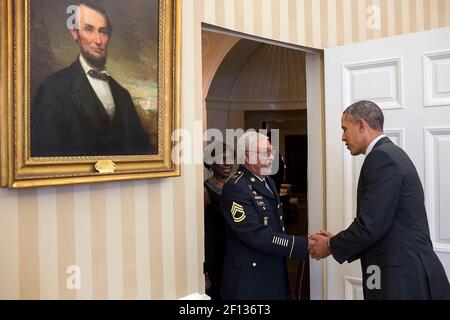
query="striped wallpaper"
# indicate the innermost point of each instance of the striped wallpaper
(144, 239)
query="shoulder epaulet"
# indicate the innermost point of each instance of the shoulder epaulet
(235, 176)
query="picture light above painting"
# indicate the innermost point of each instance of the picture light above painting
(89, 90)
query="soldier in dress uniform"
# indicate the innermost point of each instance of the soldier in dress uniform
(257, 245)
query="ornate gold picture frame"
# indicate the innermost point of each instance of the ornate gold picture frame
(54, 83)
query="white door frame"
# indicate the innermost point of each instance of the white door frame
(316, 146)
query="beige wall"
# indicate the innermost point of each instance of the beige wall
(143, 239)
(324, 23)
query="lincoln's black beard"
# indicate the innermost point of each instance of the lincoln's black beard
(96, 62)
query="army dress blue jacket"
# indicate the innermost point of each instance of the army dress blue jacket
(257, 245)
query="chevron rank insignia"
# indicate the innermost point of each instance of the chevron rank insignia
(238, 213)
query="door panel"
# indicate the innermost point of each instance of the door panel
(409, 78)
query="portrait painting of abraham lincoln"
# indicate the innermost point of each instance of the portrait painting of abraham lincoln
(93, 78)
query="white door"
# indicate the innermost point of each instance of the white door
(409, 78)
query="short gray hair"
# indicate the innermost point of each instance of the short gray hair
(368, 111)
(249, 141)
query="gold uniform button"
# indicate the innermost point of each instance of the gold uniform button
(278, 206)
(254, 264)
(281, 217)
(283, 229)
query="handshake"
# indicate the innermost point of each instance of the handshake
(318, 244)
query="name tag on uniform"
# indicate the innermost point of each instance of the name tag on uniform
(258, 198)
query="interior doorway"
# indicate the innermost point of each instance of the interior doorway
(291, 178)
(261, 84)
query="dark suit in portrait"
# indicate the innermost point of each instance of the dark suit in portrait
(68, 119)
(391, 230)
(81, 110)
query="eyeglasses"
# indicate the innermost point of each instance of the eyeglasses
(262, 153)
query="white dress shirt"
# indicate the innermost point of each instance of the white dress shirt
(373, 143)
(101, 89)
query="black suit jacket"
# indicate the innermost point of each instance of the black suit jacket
(257, 245)
(391, 230)
(68, 119)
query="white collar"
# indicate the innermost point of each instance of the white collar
(373, 143)
(86, 67)
(258, 177)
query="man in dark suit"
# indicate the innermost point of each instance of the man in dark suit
(390, 233)
(257, 245)
(81, 110)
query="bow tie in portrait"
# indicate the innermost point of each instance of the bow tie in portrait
(98, 74)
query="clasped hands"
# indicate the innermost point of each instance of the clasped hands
(318, 244)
